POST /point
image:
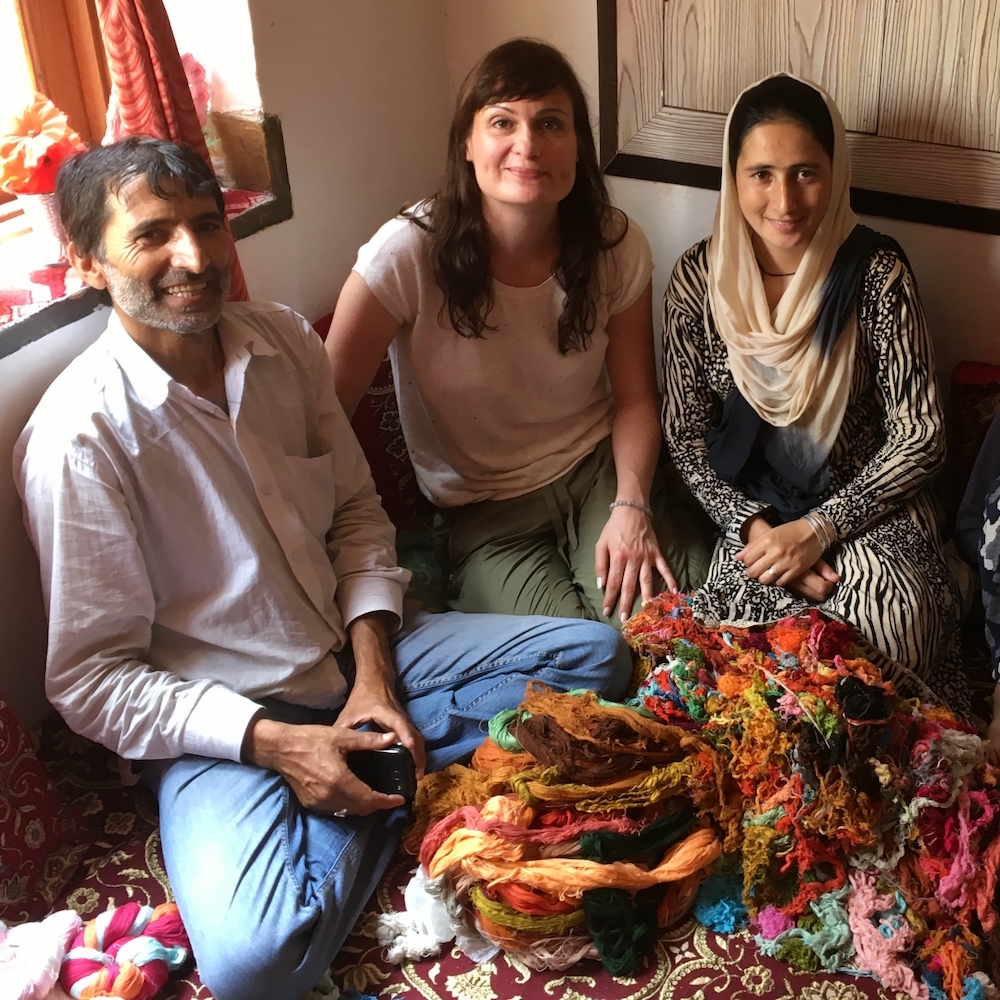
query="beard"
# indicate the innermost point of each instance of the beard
(139, 299)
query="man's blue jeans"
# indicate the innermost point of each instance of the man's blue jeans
(268, 892)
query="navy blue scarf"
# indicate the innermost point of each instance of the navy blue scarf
(769, 464)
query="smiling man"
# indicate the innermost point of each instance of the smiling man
(225, 607)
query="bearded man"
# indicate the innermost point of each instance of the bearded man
(225, 608)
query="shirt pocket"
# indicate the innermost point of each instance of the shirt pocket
(311, 490)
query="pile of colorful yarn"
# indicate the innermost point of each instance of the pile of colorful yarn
(579, 829)
(869, 836)
(765, 775)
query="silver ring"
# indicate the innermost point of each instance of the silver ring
(340, 813)
(772, 571)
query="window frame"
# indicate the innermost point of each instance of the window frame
(62, 39)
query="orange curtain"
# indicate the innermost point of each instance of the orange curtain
(149, 91)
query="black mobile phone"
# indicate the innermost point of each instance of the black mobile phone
(389, 770)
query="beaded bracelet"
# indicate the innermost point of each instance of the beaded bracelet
(631, 503)
(823, 529)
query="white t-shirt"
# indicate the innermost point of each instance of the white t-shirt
(501, 415)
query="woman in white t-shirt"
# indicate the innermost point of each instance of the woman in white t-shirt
(516, 306)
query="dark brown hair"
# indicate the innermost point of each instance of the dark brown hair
(521, 69)
(780, 98)
(85, 181)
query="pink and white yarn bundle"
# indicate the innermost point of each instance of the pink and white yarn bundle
(125, 953)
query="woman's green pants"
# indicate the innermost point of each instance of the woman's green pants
(534, 554)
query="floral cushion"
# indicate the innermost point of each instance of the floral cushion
(39, 832)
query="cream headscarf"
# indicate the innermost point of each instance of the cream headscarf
(775, 360)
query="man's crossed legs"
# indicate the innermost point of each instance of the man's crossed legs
(269, 891)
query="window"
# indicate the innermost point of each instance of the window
(54, 47)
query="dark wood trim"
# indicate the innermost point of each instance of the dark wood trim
(607, 79)
(279, 209)
(648, 168)
(48, 319)
(879, 203)
(926, 210)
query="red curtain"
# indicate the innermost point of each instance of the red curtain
(150, 92)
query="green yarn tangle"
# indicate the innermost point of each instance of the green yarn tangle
(646, 847)
(623, 927)
(797, 953)
(500, 733)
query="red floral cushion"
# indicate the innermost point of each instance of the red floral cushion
(39, 833)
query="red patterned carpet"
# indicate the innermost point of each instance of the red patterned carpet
(690, 963)
(122, 861)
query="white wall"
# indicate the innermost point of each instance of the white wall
(218, 34)
(360, 87)
(24, 376)
(471, 29)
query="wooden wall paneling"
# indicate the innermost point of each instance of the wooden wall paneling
(945, 174)
(925, 170)
(713, 49)
(681, 134)
(640, 64)
(839, 46)
(855, 49)
(941, 72)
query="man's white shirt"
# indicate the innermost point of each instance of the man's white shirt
(192, 561)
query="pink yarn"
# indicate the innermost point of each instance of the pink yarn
(771, 922)
(879, 943)
(790, 706)
(470, 818)
(154, 942)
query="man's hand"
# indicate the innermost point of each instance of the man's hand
(311, 759)
(373, 696)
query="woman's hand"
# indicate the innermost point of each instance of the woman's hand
(628, 551)
(789, 555)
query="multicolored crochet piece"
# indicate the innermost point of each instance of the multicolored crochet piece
(768, 775)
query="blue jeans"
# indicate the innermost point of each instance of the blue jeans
(268, 891)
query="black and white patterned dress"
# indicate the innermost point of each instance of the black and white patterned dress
(895, 585)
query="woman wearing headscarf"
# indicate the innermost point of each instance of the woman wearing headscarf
(800, 401)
